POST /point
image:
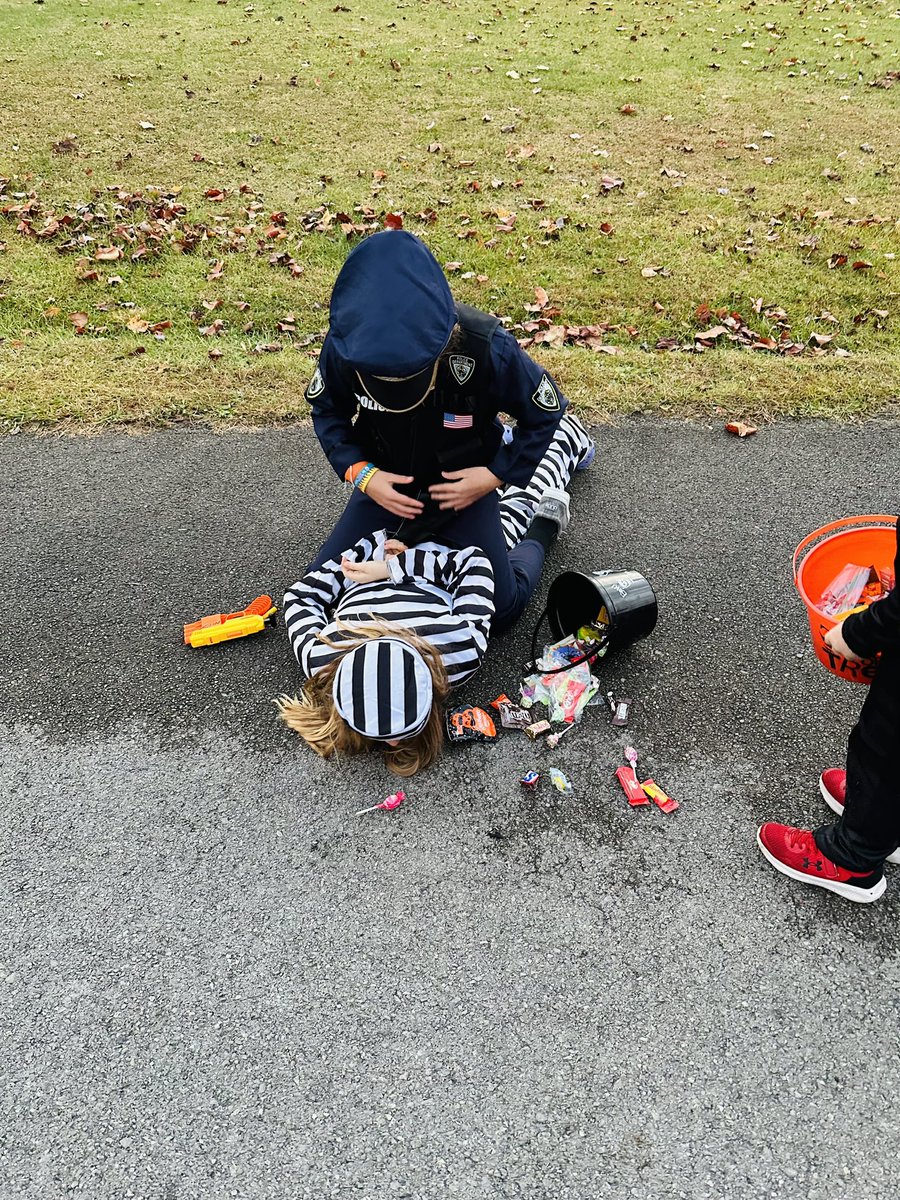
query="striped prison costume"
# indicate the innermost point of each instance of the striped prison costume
(569, 447)
(445, 596)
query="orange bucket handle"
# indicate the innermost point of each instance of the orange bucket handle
(844, 524)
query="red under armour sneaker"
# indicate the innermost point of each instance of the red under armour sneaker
(833, 786)
(794, 853)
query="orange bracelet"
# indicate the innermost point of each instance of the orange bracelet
(356, 469)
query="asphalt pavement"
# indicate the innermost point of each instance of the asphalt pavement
(218, 982)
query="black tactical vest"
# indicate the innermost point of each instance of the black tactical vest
(455, 427)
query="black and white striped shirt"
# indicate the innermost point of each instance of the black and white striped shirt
(445, 596)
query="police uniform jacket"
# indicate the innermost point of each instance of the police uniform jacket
(483, 373)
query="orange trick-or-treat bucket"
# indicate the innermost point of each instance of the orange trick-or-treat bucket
(866, 541)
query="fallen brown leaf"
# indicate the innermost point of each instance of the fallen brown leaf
(84, 272)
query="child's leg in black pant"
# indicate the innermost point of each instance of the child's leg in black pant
(869, 828)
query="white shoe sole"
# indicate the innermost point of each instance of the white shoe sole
(847, 890)
(837, 807)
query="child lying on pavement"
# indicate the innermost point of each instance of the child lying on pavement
(382, 635)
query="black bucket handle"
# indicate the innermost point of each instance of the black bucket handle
(589, 656)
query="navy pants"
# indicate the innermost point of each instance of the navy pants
(869, 828)
(516, 571)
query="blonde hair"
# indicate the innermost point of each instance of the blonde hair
(313, 714)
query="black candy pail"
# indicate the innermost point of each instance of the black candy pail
(622, 601)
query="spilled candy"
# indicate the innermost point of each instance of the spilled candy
(393, 801)
(537, 729)
(659, 797)
(512, 716)
(631, 756)
(566, 693)
(559, 781)
(631, 787)
(470, 725)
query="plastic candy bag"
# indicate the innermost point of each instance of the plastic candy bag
(566, 693)
(844, 590)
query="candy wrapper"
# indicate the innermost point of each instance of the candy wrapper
(631, 787)
(559, 781)
(537, 729)
(512, 716)
(659, 797)
(530, 779)
(567, 650)
(566, 693)
(846, 589)
(470, 725)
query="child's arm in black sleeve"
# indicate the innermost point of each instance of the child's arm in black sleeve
(877, 627)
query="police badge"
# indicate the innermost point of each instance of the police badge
(462, 367)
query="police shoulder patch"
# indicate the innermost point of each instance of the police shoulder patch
(462, 367)
(546, 396)
(316, 385)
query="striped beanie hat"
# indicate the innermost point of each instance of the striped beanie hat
(383, 689)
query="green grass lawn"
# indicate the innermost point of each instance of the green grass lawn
(159, 155)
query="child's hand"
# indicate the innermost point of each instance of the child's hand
(393, 547)
(364, 572)
(835, 639)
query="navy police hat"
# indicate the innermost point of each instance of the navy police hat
(392, 314)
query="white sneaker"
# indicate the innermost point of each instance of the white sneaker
(555, 506)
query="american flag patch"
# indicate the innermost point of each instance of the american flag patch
(457, 420)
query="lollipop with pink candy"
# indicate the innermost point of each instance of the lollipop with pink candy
(393, 801)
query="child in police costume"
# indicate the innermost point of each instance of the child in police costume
(848, 855)
(405, 404)
(383, 632)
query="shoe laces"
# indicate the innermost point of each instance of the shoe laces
(802, 839)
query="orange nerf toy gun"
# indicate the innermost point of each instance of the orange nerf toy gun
(224, 627)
